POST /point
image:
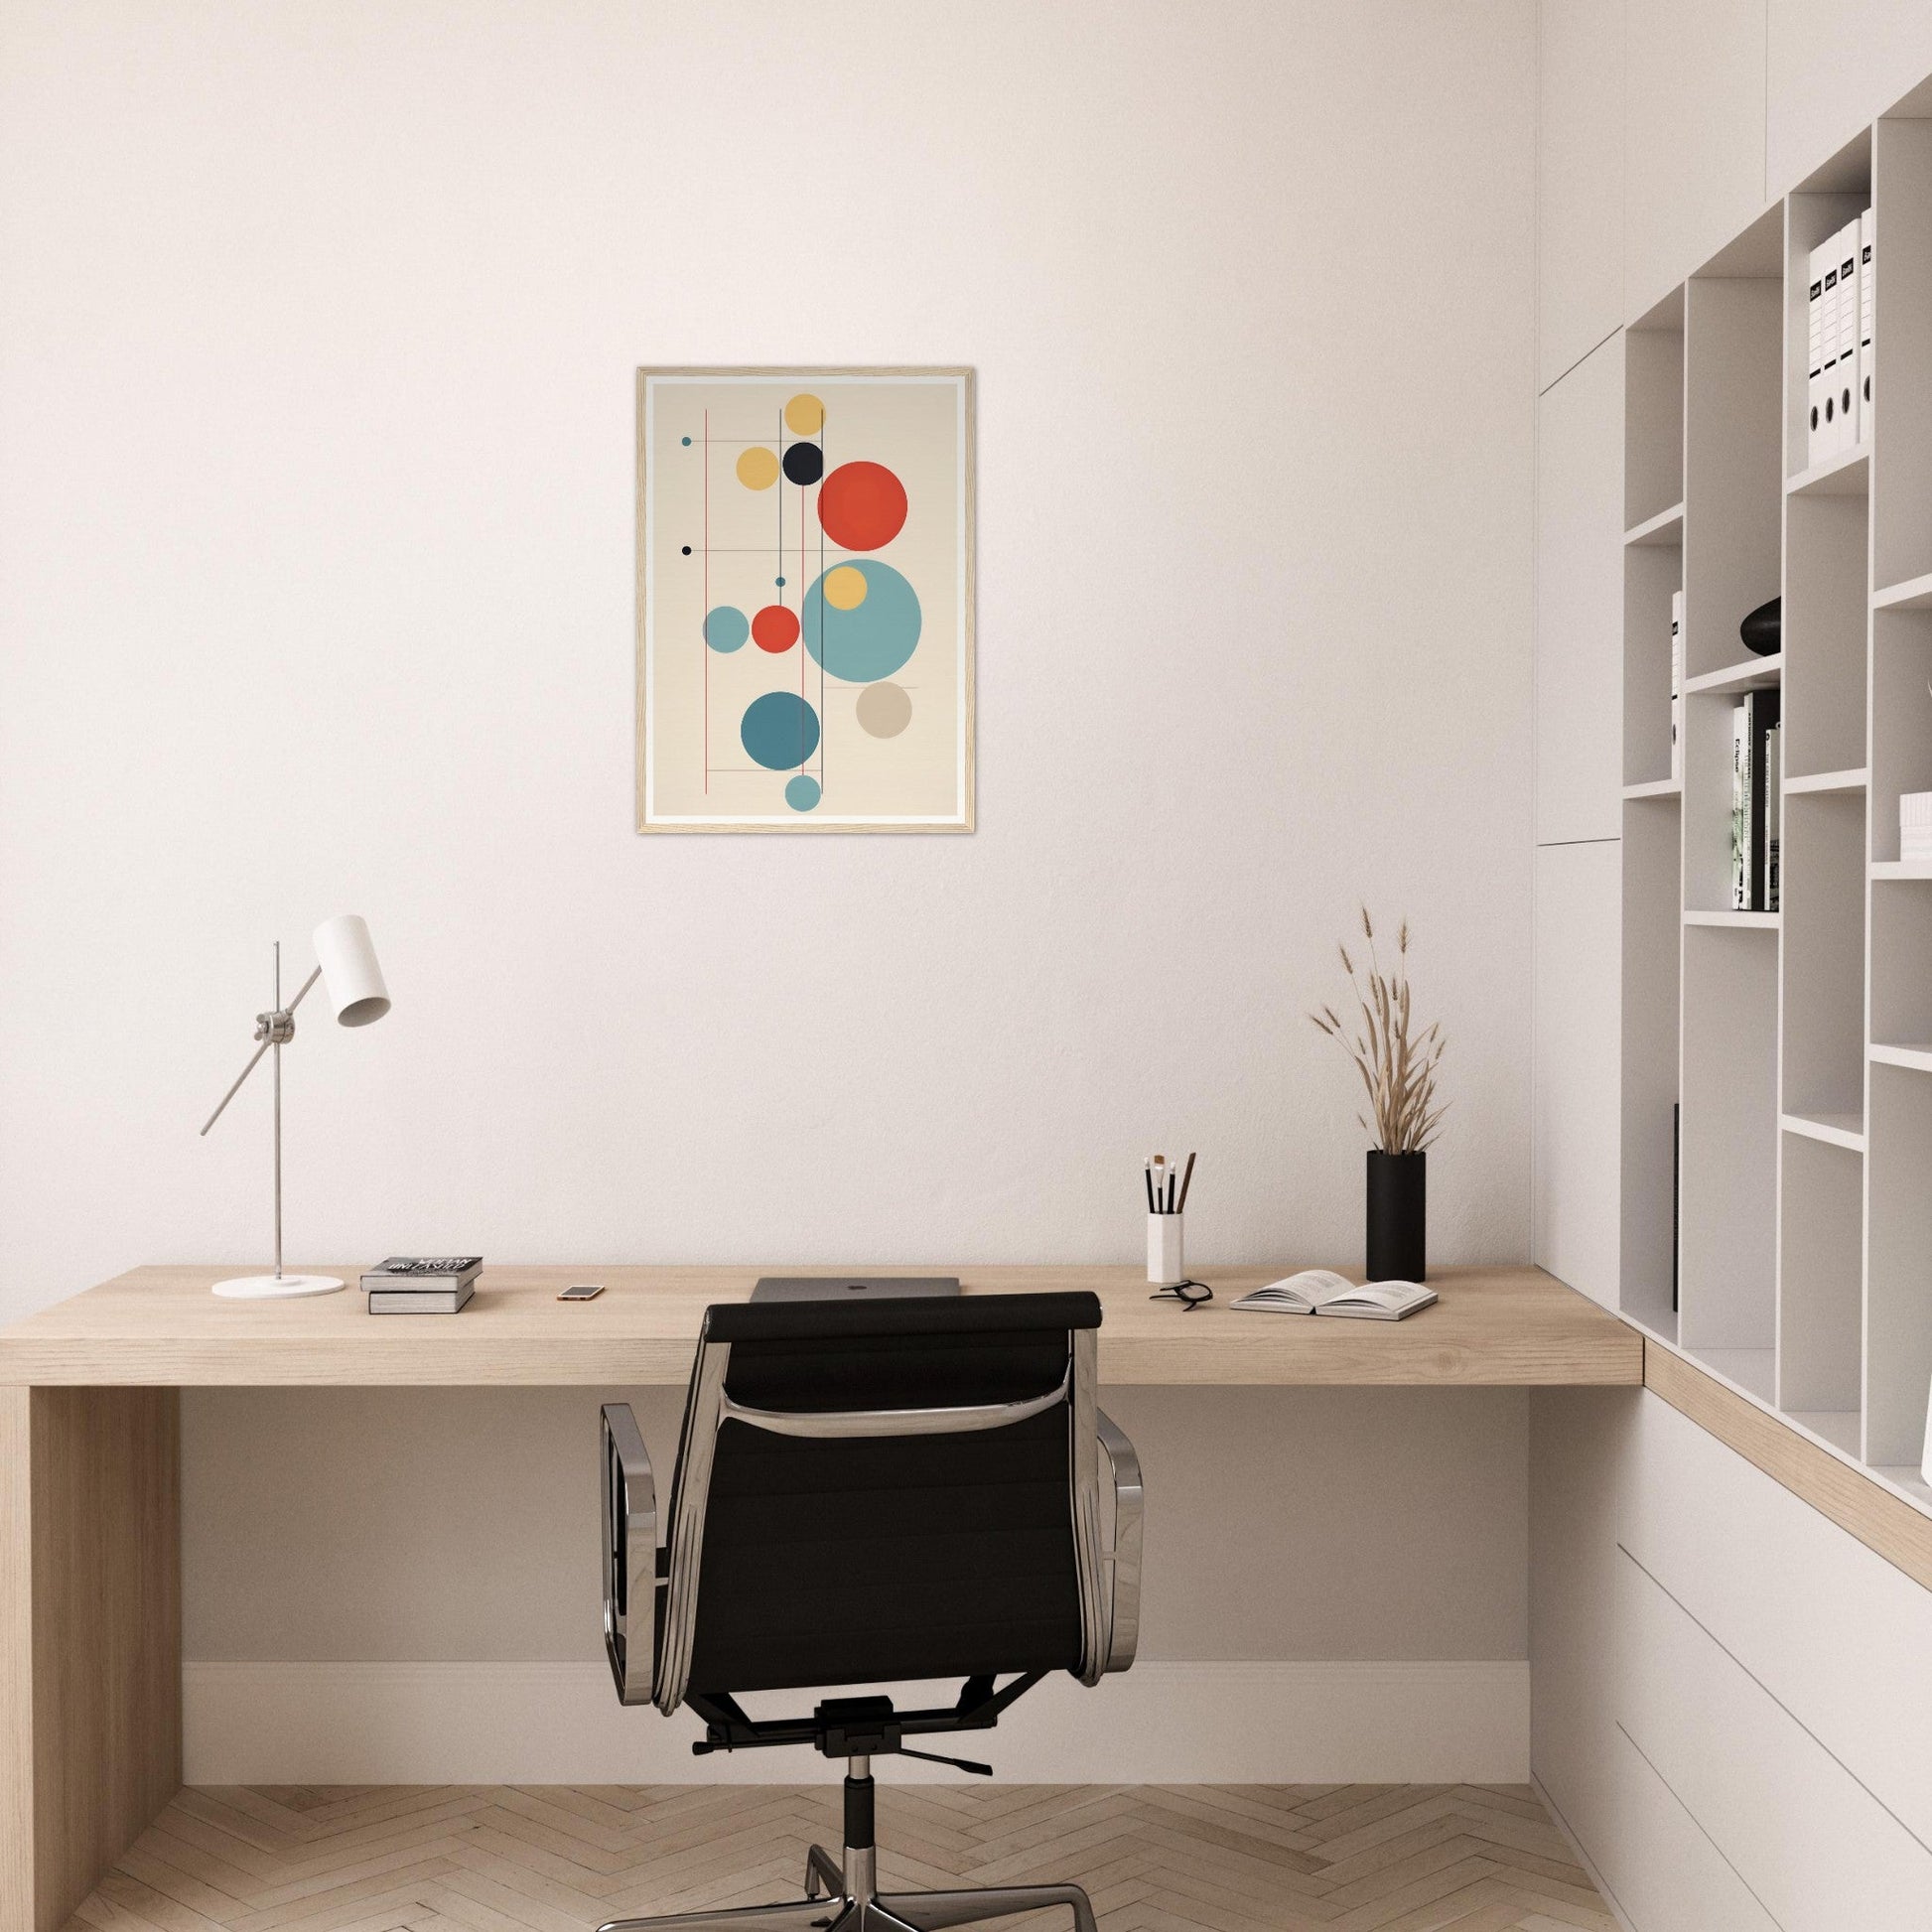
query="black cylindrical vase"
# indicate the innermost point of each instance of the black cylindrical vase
(1397, 1216)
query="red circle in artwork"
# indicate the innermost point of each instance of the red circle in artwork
(862, 505)
(775, 628)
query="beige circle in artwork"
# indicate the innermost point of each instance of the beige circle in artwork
(757, 468)
(885, 710)
(804, 415)
(845, 587)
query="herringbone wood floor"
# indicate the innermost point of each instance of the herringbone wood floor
(558, 1859)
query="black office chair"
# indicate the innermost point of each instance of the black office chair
(868, 1494)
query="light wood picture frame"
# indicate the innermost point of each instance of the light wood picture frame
(805, 600)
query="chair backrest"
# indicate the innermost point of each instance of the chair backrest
(897, 1489)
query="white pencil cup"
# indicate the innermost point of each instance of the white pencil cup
(1165, 1265)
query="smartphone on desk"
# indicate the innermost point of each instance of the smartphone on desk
(582, 1292)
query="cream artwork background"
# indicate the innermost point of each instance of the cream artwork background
(805, 656)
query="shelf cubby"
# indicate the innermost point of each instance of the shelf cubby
(1821, 1242)
(1901, 963)
(1734, 475)
(1822, 916)
(1837, 194)
(1652, 853)
(1901, 402)
(1729, 1222)
(1826, 615)
(1902, 718)
(1898, 1292)
(1651, 574)
(1653, 418)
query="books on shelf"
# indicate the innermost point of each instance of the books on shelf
(1754, 817)
(1773, 812)
(1677, 685)
(421, 1283)
(1915, 825)
(1867, 235)
(1815, 355)
(1844, 385)
(1320, 1291)
(1837, 340)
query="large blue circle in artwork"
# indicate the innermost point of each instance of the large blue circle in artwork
(870, 638)
(726, 627)
(779, 730)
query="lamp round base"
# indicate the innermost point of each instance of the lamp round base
(275, 1287)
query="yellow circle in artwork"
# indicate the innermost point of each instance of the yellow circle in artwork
(804, 415)
(844, 588)
(757, 468)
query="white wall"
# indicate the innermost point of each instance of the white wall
(315, 413)
(316, 497)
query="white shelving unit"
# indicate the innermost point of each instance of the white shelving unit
(1796, 1044)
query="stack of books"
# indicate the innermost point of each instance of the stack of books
(421, 1283)
(1755, 775)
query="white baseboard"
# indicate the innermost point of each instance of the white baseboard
(561, 1723)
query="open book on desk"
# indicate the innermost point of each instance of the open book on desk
(1320, 1291)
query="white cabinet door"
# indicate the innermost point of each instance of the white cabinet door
(1575, 1112)
(1693, 137)
(1578, 753)
(1840, 1638)
(1580, 179)
(1818, 1850)
(1834, 67)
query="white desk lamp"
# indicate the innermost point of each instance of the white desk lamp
(346, 965)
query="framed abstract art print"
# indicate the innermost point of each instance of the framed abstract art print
(806, 600)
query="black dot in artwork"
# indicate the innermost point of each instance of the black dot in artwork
(687, 549)
(804, 464)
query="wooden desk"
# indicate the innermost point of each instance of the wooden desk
(1493, 1327)
(90, 1460)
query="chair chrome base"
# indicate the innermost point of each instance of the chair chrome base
(841, 1899)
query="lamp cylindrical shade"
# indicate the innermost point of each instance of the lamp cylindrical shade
(349, 975)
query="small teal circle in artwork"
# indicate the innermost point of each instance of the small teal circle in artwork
(687, 442)
(778, 730)
(864, 641)
(779, 580)
(726, 627)
(802, 793)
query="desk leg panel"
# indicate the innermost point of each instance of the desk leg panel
(89, 1637)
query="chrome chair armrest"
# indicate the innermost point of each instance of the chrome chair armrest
(629, 1555)
(1123, 1560)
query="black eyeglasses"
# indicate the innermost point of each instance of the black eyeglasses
(1191, 1294)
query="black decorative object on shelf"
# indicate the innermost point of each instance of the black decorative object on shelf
(1763, 631)
(1397, 1216)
